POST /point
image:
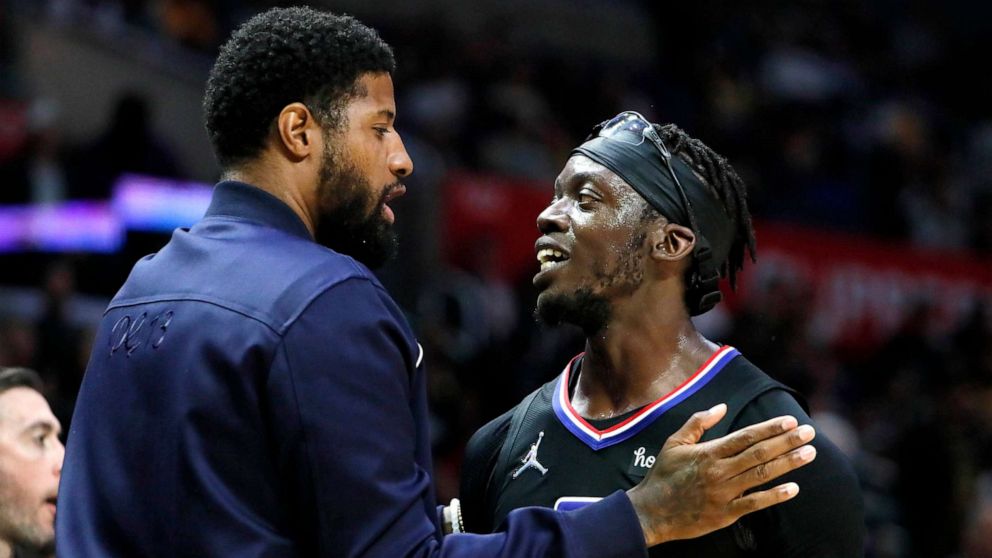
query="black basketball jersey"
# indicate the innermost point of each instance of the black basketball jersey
(550, 456)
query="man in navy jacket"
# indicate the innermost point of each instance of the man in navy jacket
(253, 390)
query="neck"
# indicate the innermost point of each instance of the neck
(645, 351)
(281, 183)
(5, 550)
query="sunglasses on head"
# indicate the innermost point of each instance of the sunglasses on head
(632, 128)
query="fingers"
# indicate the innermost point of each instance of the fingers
(763, 499)
(765, 472)
(696, 426)
(736, 442)
(762, 453)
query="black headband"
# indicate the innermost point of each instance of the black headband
(643, 168)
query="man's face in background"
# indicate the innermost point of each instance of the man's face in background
(30, 467)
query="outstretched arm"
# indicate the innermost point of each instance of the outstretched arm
(347, 445)
(695, 488)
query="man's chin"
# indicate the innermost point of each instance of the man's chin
(584, 309)
(38, 541)
(373, 252)
(372, 242)
(547, 310)
(385, 251)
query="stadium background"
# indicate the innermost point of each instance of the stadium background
(863, 129)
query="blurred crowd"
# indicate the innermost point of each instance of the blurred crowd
(865, 117)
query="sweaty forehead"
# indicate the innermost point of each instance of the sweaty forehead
(580, 168)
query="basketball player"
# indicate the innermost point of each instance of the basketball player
(635, 242)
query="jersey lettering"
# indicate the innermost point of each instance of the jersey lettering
(642, 460)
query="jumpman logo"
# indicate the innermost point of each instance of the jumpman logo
(530, 460)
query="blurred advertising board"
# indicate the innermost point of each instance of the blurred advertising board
(859, 289)
(140, 203)
(490, 223)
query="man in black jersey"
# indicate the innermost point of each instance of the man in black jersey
(634, 243)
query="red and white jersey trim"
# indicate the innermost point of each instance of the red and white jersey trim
(598, 439)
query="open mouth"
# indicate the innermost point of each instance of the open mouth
(392, 193)
(549, 257)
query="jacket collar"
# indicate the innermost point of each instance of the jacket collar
(244, 201)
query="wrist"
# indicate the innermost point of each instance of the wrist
(651, 528)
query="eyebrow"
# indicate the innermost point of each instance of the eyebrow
(389, 114)
(579, 177)
(44, 425)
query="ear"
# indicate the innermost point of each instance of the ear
(298, 131)
(671, 242)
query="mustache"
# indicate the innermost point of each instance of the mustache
(388, 190)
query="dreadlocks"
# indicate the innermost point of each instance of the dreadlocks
(724, 181)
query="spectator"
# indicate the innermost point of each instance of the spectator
(30, 466)
(36, 174)
(129, 144)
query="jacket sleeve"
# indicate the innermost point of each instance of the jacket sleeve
(343, 401)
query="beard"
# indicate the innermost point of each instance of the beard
(590, 309)
(352, 220)
(583, 308)
(19, 527)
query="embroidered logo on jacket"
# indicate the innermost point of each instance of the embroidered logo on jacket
(530, 460)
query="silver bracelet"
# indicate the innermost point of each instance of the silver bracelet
(457, 523)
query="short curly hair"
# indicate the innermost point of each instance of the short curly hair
(281, 56)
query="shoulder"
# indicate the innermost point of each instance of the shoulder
(761, 397)
(351, 323)
(827, 517)
(356, 299)
(255, 271)
(830, 479)
(487, 441)
(831, 463)
(739, 384)
(740, 370)
(291, 273)
(481, 456)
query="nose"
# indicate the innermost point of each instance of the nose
(399, 160)
(59, 458)
(554, 218)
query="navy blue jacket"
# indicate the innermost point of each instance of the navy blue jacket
(252, 393)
